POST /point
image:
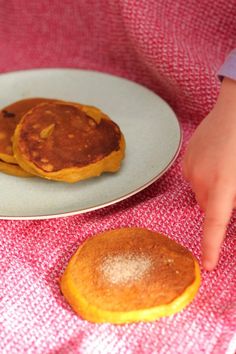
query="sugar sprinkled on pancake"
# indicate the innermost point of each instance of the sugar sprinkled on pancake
(128, 275)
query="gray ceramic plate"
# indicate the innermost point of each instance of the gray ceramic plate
(152, 133)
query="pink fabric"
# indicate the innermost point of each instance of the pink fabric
(174, 48)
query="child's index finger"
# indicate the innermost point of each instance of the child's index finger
(217, 215)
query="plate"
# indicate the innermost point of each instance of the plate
(151, 129)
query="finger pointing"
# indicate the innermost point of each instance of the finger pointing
(217, 215)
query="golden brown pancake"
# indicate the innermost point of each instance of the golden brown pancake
(129, 275)
(13, 169)
(9, 118)
(68, 142)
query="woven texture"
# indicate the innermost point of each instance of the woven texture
(175, 48)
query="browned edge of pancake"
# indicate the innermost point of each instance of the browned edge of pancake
(13, 169)
(9, 118)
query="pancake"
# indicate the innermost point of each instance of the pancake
(9, 118)
(68, 142)
(13, 169)
(129, 275)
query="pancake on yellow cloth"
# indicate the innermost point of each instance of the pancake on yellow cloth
(68, 142)
(129, 275)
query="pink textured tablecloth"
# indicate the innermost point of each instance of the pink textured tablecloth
(175, 48)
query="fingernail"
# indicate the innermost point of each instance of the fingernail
(208, 265)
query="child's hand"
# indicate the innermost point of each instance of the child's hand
(210, 166)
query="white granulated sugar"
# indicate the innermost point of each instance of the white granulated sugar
(121, 269)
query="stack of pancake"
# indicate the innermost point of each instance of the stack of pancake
(58, 140)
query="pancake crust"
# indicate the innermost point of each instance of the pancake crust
(128, 275)
(68, 142)
(9, 118)
(13, 169)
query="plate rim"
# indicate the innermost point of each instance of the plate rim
(113, 201)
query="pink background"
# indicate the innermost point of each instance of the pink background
(175, 48)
